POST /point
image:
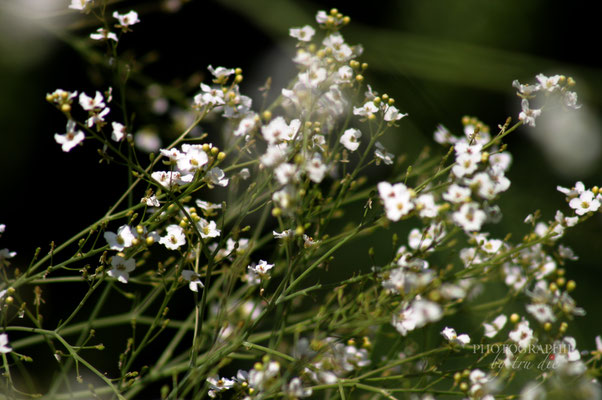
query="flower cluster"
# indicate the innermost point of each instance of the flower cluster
(550, 86)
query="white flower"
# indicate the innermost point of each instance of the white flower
(70, 139)
(175, 237)
(484, 185)
(6, 254)
(570, 100)
(295, 389)
(490, 246)
(466, 164)
(284, 234)
(209, 96)
(417, 315)
(121, 268)
(528, 115)
(316, 169)
(574, 191)
(278, 130)
(122, 239)
(470, 217)
(392, 114)
(522, 335)
(97, 117)
(208, 229)
(246, 125)
(457, 194)
(262, 268)
(103, 34)
(192, 159)
(80, 5)
(220, 72)
(207, 207)
(126, 20)
(274, 154)
(442, 135)
(118, 131)
(542, 312)
(169, 179)
(497, 325)
(284, 198)
(151, 201)
(194, 279)
(381, 153)
(350, 139)
(147, 141)
(500, 161)
(244, 174)
(2, 228)
(321, 17)
(286, 173)
(550, 83)
(4, 347)
(450, 335)
(526, 89)
(217, 177)
(302, 34)
(397, 199)
(425, 203)
(217, 385)
(345, 73)
(586, 202)
(366, 110)
(424, 240)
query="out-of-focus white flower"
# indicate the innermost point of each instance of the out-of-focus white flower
(470, 217)
(416, 315)
(457, 194)
(497, 325)
(397, 199)
(316, 169)
(118, 131)
(542, 312)
(382, 154)
(147, 141)
(80, 5)
(522, 335)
